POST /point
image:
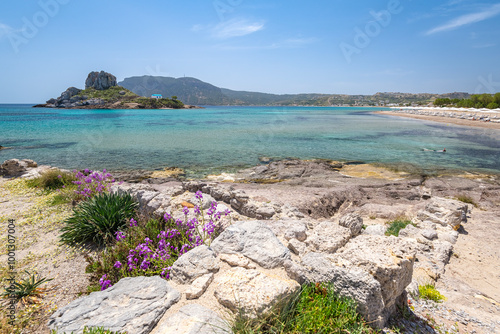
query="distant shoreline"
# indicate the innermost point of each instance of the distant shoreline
(444, 119)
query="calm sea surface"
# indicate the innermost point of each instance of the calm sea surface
(224, 138)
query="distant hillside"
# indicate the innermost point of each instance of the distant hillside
(196, 92)
(189, 90)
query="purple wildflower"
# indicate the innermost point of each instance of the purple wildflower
(104, 282)
(119, 235)
(118, 265)
(133, 222)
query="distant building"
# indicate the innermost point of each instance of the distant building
(156, 96)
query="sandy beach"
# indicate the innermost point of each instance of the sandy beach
(428, 116)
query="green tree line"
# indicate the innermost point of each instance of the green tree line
(475, 101)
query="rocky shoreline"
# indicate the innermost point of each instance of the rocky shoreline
(490, 120)
(306, 221)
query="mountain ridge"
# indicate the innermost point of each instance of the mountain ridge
(197, 92)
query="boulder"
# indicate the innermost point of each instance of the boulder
(144, 197)
(328, 237)
(254, 240)
(410, 231)
(446, 212)
(251, 291)
(100, 80)
(375, 230)
(265, 211)
(197, 262)
(193, 319)
(352, 221)
(388, 259)
(296, 230)
(16, 167)
(450, 236)
(220, 194)
(157, 206)
(297, 247)
(134, 305)
(429, 234)
(199, 286)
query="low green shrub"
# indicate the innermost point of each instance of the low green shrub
(429, 292)
(150, 248)
(105, 263)
(98, 219)
(52, 179)
(315, 308)
(397, 225)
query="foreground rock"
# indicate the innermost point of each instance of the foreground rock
(193, 319)
(251, 291)
(354, 283)
(246, 267)
(254, 240)
(193, 264)
(134, 305)
(388, 259)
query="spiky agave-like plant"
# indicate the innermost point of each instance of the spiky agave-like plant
(98, 219)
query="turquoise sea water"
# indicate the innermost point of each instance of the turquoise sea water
(224, 138)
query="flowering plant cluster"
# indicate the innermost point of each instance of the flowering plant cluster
(160, 247)
(91, 183)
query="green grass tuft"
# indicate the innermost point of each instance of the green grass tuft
(98, 219)
(429, 292)
(315, 308)
(397, 225)
(27, 290)
(467, 199)
(52, 179)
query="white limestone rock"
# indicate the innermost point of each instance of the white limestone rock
(328, 237)
(251, 291)
(254, 240)
(199, 286)
(193, 264)
(134, 305)
(193, 319)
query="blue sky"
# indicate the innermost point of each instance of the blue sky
(330, 46)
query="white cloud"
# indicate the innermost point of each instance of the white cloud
(236, 28)
(467, 19)
(290, 43)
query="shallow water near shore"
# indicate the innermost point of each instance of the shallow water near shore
(216, 139)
